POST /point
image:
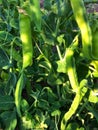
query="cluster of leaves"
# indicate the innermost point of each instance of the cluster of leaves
(47, 94)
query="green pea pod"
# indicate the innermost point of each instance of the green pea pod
(25, 35)
(78, 97)
(81, 19)
(70, 64)
(71, 69)
(18, 91)
(36, 13)
(95, 41)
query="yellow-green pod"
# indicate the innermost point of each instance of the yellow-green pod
(71, 69)
(82, 21)
(25, 35)
(74, 106)
(18, 91)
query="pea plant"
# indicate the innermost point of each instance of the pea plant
(48, 65)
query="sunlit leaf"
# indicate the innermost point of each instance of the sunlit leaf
(0, 1)
(61, 66)
(27, 122)
(60, 39)
(56, 113)
(92, 97)
(24, 105)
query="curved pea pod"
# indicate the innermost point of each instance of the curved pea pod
(77, 99)
(82, 21)
(25, 35)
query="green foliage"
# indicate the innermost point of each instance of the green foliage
(6, 102)
(60, 88)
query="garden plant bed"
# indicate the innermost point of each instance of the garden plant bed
(48, 65)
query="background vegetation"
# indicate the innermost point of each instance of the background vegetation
(60, 81)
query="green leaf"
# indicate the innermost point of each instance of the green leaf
(6, 36)
(13, 1)
(55, 79)
(9, 120)
(60, 39)
(55, 105)
(93, 111)
(11, 83)
(26, 122)
(43, 104)
(24, 105)
(56, 113)
(4, 60)
(61, 66)
(47, 4)
(95, 74)
(72, 126)
(81, 128)
(46, 65)
(13, 23)
(6, 102)
(92, 97)
(4, 75)
(0, 1)
(48, 92)
(35, 95)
